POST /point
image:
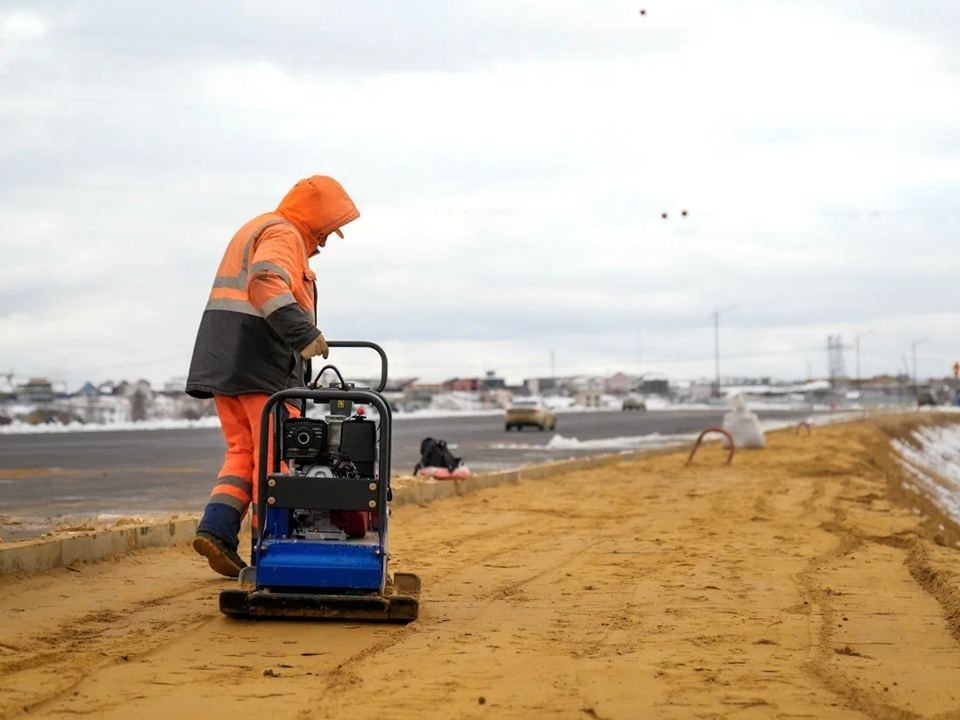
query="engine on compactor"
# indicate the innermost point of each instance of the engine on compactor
(342, 445)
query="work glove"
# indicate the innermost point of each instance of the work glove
(317, 347)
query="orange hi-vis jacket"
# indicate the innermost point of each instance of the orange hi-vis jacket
(262, 308)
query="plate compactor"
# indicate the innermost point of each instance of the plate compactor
(323, 502)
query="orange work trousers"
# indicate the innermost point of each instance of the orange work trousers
(240, 421)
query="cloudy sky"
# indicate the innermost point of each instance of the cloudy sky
(511, 161)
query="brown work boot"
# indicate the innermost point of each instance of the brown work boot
(222, 558)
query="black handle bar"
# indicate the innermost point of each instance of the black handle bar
(371, 346)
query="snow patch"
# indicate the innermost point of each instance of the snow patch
(934, 466)
(624, 443)
(21, 428)
(627, 442)
(428, 413)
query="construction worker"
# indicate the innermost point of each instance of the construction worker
(256, 337)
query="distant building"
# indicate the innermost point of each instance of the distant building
(698, 391)
(580, 383)
(589, 398)
(175, 385)
(500, 398)
(618, 384)
(98, 408)
(37, 391)
(8, 392)
(88, 389)
(462, 385)
(491, 382)
(654, 386)
(550, 385)
(426, 388)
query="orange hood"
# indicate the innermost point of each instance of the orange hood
(317, 206)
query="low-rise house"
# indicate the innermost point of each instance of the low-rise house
(37, 391)
(8, 391)
(542, 385)
(462, 385)
(587, 397)
(618, 384)
(97, 408)
(654, 385)
(490, 381)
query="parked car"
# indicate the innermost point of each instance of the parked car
(633, 403)
(525, 412)
(926, 397)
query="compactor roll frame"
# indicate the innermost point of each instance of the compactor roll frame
(301, 565)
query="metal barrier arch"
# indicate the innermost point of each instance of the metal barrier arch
(721, 431)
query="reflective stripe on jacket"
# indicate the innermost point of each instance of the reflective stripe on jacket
(262, 308)
(259, 316)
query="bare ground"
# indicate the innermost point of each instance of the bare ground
(787, 585)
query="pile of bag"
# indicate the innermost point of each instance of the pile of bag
(743, 426)
(438, 462)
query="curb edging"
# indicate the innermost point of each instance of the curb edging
(32, 556)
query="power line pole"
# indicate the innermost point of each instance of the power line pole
(859, 377)
(639, 354)
(835, 361)
(916, 384)
(716, 346)
(716, 352)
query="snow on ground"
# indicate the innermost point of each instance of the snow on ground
(428, 413)
(934, 466)
(624, 443)
(17, 428)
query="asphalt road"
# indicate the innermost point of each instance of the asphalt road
(137, 472)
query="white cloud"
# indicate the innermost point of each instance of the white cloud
(21, 25)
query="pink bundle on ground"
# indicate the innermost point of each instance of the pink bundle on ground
(441, 473)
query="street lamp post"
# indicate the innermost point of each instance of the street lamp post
(857, 343)
(716, 346)
(916, 383)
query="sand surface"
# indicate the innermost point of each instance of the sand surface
(787, 585)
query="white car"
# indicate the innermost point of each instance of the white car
(529, 411)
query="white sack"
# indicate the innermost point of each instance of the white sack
(744, 426)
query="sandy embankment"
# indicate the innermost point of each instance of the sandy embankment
(787, 585)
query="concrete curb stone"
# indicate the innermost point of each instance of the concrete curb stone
(31, 556)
